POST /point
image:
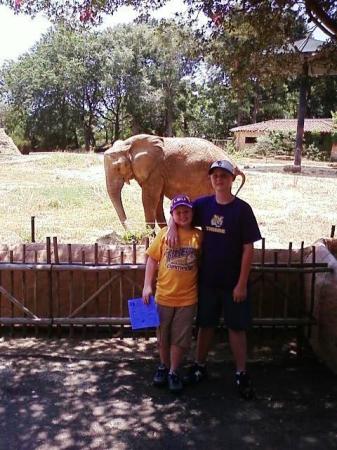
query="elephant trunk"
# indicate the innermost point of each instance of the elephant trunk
(114, 187)
(116, 198)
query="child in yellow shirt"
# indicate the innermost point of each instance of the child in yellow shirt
(176, 291)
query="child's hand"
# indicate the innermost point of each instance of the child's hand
(239, 293)
(147, 292)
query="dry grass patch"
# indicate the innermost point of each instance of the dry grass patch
(67, 195)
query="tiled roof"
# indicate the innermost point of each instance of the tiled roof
(308, 45)
(286, 125)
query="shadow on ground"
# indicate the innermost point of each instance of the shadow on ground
(61, 395)
(321, 170)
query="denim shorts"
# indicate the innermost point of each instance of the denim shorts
(213, 302)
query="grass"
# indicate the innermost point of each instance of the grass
(67, 195)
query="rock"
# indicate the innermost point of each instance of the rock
(7, 146)
(292, 169)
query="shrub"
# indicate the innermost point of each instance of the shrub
(317, 145)
(136, 237)
(230, 148)
(314, 153)
(275, 143)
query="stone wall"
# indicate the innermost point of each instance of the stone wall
(240, 138)
(324, 335)
(333, 156)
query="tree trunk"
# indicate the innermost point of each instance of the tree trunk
(86, 133)
(135, 126)
(255, 107)
(185, 126)
(117, 125)
(239, 117)
(169, 121)
(77, 145)
(64, 137)
(301, 116)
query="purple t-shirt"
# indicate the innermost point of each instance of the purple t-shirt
(226, 229)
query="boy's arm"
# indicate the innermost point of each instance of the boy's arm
(150, 270)
(240, 290)
(172, 234)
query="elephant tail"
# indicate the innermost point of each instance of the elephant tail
(243, 180)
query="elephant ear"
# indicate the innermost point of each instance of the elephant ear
(146, 155)
(119, 154)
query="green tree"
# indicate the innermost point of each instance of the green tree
(175, 63)
(253, 63)
(146, 67)
(322, 13)
(79, 56)
(322, 98)
(73, 85)
(55, 88)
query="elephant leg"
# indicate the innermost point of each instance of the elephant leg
(160, 216)
(151, 194)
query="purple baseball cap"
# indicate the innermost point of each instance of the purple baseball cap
(180, 200)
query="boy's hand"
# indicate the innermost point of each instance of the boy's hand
(147, 292)
(239, 293)
(172, 234)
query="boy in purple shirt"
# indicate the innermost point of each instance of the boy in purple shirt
(230, 229)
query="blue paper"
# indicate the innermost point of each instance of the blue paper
(143, 315)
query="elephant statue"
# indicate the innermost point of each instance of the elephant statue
(162, 166)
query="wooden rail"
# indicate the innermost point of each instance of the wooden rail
(113, 274)
(65, 289)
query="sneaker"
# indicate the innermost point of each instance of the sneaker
(244, 385)
(160, 377)
(174, 383)
(195, 374)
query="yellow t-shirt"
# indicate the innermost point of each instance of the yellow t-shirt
(177, 282)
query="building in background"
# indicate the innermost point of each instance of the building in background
(247, 135)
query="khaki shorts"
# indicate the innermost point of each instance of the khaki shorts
(175, 325)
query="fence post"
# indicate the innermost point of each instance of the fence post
(96, 284)
(312, 288)
(83, 285)
(50, 284)
(24, 287)
(32, 228)
(121, 296)
(11, 260)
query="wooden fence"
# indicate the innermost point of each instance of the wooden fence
(67, 287)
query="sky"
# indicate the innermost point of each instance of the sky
(18, 33)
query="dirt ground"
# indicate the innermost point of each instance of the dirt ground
(71, 184)
(97, 394)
